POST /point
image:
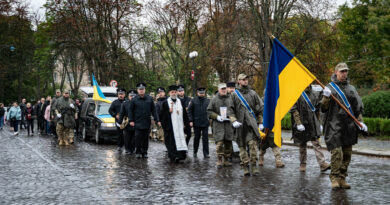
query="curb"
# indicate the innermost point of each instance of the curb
(365, 152)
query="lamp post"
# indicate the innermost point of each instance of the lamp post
(193, 55)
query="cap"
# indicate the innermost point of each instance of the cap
(160, 89)
(231, 84)
(180, 87)
(221, 85)
(341, 67)
(242, 76)
(141, 86)
(172, 87)
(121, 90)
(132, 92)
(201, 90)
(67, 91)
(58, 91)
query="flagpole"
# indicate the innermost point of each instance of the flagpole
(331, 95)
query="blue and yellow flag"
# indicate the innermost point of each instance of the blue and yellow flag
(97, 93)
(286, 80)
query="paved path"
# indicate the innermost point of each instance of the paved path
(34, 170)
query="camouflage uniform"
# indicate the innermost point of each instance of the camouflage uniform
(340, 130)
(66, 123)
(302, 114)
(269, 143)
(247, 134)
(222, 131)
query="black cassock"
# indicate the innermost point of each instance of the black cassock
(169, 138)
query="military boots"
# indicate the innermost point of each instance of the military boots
(245, 169)
(219, 162)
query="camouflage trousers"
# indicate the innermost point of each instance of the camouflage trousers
(64, 133)
(340, 159)
(244, 157)
(224, 148)
(317, 150)
(275, 150)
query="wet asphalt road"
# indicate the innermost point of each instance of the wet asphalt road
(34, 170)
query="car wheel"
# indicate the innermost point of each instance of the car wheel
(84, 133)
(98, 139)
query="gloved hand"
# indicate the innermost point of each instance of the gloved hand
(71, 105)
(236, 124)
(261, 127)
(300, 128)
(326, 92)
(59, 115)
(219, 118)
(364, 128)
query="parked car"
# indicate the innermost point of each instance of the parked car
(96, 122)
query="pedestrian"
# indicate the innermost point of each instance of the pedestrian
(14, 115)
(2, 113)
(78, 105)
(231, 87)
(269, 142)
(23, 109)
(129, 131)
(30, 115)
(114, 111)
(141, 109)
(53, 115)
(245, 114)
(47, 117)
(340, 130)
(173, 118)
(197, 114)
(221, 126)
(185, 102)
(66, 115)
(160, 99)
(306, 127)
(45, 122)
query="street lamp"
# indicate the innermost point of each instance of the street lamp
(193, 55)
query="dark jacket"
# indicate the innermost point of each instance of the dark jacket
(159, 103)
(125, 110)
(339, 129)
(23, 108)
(115, 108)
(165, 116)
(2, 111)
(141, 109)
(301, 113)
(185, 101)
(197, 112)
(30, 113)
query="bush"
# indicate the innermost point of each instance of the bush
(286, 122)
(377, 104)
(378, 126)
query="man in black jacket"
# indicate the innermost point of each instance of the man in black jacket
(185, 102)
(114, 111)
(173, 118)
(23, 109)
(197, 114)
(128, 130)
(160, 99)
(141, 109)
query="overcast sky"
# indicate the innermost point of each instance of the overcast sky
(38, 4)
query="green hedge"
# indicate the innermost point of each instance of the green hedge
(376, 126)
(377, 104)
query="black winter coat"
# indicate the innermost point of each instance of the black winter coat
(141, 110)
(197, 112)
(125, 110)
(115, 108)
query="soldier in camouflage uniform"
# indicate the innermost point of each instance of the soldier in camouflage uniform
(66, 114)
(222, 128)
(306, 127)
(246, 125)
(340, 130)
(53, 115)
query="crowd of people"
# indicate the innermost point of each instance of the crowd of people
(234, 114)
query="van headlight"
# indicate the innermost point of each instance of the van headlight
(108, 124)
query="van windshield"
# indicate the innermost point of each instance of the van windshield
(102, 109)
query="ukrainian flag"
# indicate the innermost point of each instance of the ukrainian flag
(97, 93)
(286, 80)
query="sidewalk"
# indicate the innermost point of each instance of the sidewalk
(365, 146)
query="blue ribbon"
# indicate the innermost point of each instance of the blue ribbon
(341, 94)
(307, 99)
(245, 103)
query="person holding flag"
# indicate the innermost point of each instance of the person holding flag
(340, 130)
(306, 127)
(245, 115)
